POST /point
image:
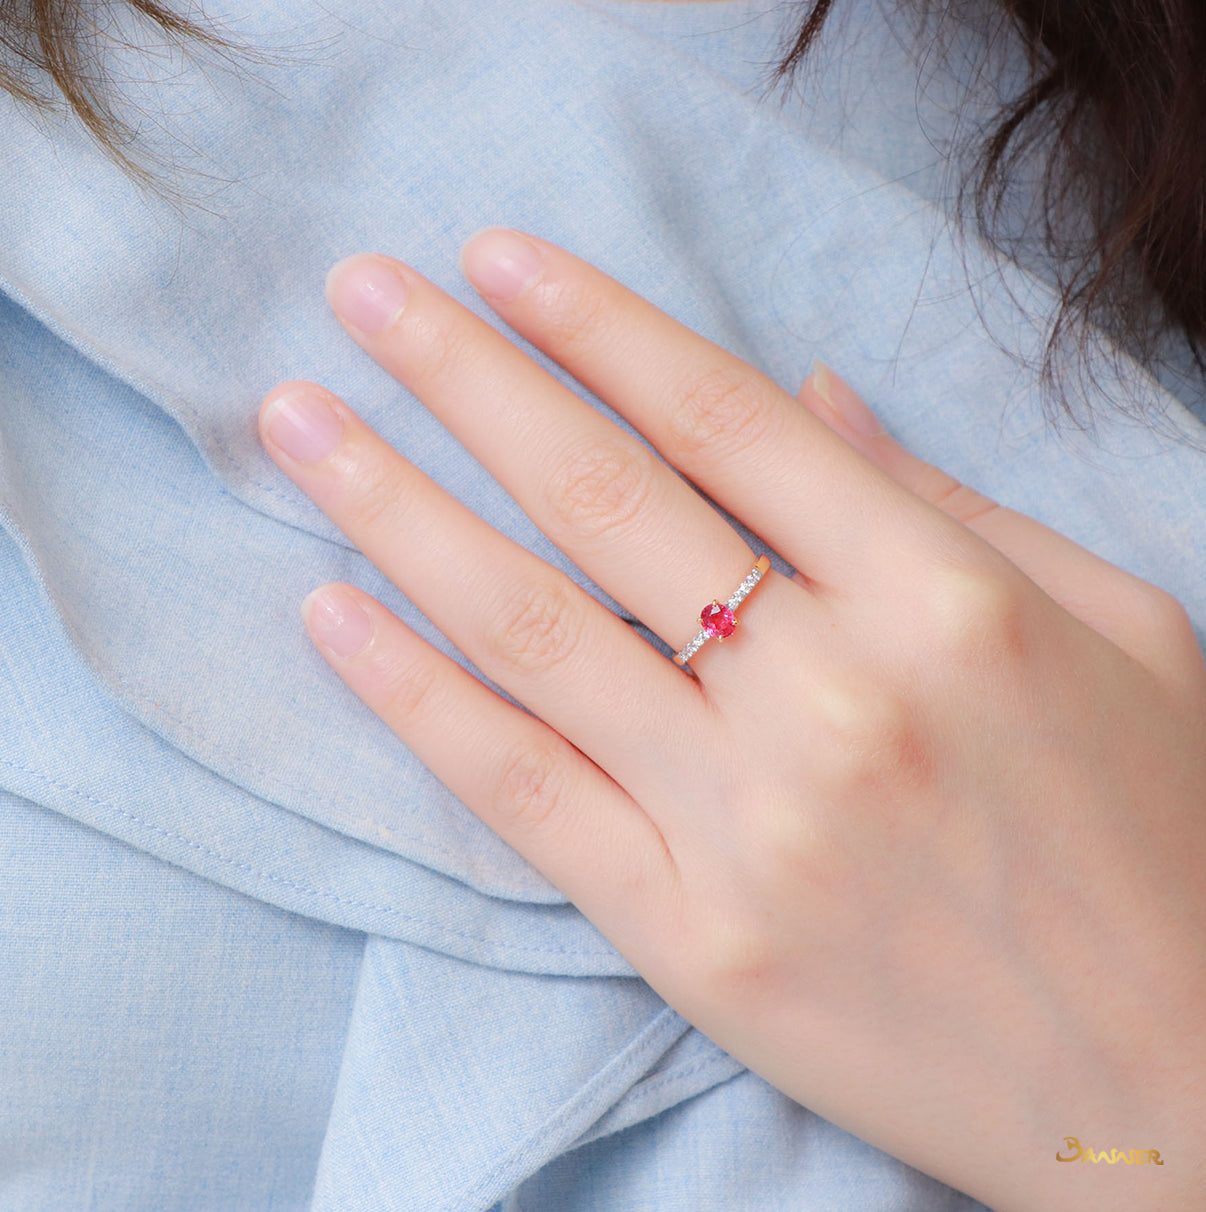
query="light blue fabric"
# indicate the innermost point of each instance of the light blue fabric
(256, 957)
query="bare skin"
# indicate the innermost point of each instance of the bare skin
(922, 843)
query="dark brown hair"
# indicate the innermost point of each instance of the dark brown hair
(1115, 103)
(1115, 108)
(54, 50)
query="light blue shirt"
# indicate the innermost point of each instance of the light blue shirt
(255, 955)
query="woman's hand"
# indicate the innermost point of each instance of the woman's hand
(923, 843)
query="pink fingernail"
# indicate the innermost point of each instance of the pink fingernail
(337, 621)
(303, 425)
(501, 264)
(366, 293)
(845, 401)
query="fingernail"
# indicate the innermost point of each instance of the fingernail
(337, 621)
(844, 401)
(366, 293)
(304, 426)
(501, 264)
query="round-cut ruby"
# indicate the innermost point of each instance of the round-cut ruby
(717, 620)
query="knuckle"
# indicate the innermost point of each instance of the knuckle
(407, 689)
(601, 487)
(720, 411)
(869, 739)
(1165, 625)
(980, 616)
(574, 317)
(954, 498)
(536, 628)
(1163, 616)
(383, 494)
(531, 787)
(736, 955)
(898, 754)
(436, 348)
(732, 948)
(786, 844)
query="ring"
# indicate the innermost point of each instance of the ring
(721, 621)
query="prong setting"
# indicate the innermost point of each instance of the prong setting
(718, 620)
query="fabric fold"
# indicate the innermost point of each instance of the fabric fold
(431, 1112)
(160, 705)
(174, 554)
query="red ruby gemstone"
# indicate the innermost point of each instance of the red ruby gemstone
(717, 620)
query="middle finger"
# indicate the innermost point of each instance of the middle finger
(622, 514)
